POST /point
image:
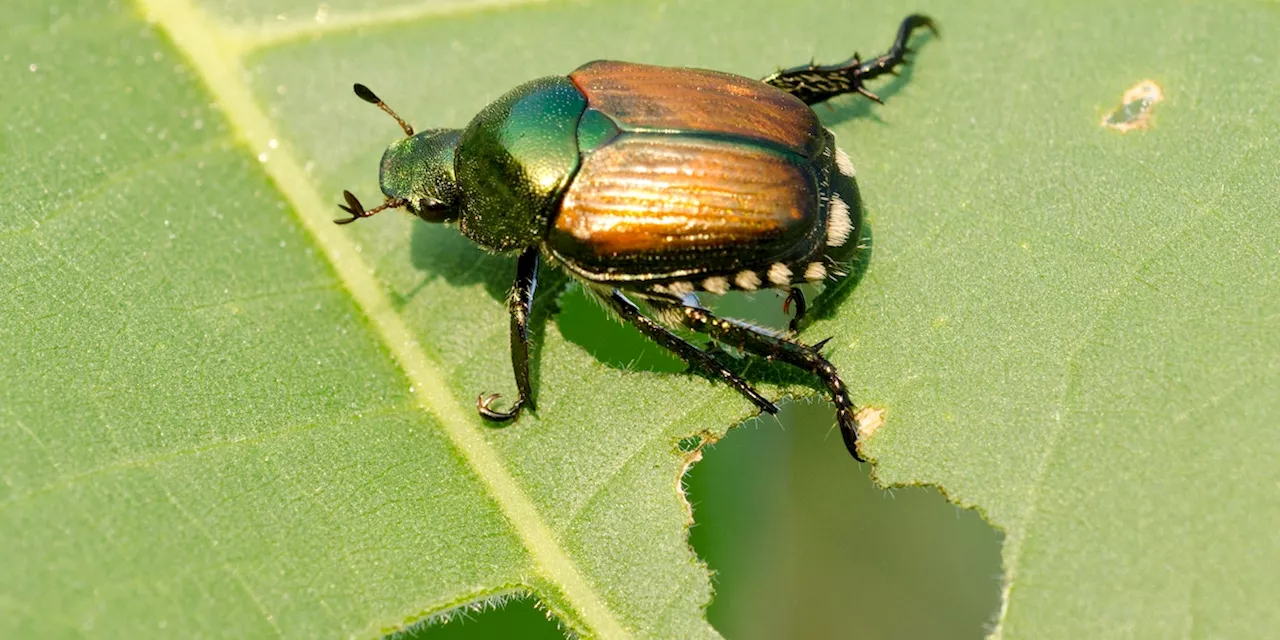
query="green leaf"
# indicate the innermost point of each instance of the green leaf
(218, 421)
(222, 415)
(1078, 330)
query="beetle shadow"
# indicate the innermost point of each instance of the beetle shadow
(442, 252)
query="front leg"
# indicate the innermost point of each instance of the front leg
(521, 304)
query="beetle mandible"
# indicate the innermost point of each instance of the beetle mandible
(654, 183)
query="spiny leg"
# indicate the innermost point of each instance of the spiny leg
(521, 303)
(767, 344)
(818, 83)
(693, 356)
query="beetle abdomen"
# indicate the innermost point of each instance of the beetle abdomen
(654, 208)
(641, 97)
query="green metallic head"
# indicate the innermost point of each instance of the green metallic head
(419, 171)
(416, 173)
(501, 178)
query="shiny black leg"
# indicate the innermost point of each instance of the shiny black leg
(692, 355)
(795, 296)
(521, 303)
(770, 345)
(814, 83)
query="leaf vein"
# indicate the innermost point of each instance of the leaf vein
(213, 53)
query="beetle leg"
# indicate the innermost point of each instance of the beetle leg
(796, 296)
(770, 345)
(818, 83)
(692, 355)
(521, 303)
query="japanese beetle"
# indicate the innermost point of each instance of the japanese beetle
(657, 183)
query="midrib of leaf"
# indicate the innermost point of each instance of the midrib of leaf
(216, 58)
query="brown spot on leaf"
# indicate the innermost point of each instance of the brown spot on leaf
(692, 449)
(1135, 107)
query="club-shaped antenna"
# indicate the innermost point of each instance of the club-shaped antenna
(373, 99)
(358, 211)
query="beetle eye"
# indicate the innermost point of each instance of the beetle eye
(433, 210)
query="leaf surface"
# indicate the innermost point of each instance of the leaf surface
(222, 415)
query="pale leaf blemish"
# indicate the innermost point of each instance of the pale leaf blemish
(1135, 108)
(869, 420)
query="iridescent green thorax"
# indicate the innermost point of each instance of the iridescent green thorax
(419, 169)
(514, 161)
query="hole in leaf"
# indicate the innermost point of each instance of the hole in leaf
(513, 617)
(803, 545)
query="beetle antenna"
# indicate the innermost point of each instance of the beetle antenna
(373, 99)
(358, 211)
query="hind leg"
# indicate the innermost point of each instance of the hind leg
(773, 346)
(818, 83)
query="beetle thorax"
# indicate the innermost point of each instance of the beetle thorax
(514, 160)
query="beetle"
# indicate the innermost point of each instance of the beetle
(653, 183)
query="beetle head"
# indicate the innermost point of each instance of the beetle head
(419, 171)
(416, 172)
